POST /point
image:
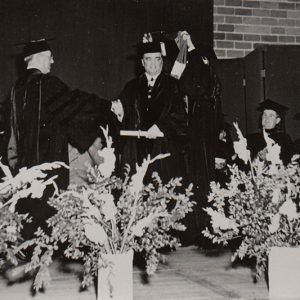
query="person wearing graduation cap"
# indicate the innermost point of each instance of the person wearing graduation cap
(272, 121)
(45, 117)
(200, 84)
(201, 90)
(152, 103)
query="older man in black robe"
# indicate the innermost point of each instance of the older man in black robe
(45, 116)
(152, 103)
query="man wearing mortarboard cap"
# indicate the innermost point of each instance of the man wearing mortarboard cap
(152, 103)
(201, 89)
(46, 116)
(201, 86)
(272, 121)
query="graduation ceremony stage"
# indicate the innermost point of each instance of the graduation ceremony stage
(190, 273)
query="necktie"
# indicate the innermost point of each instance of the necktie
(150, 87)
(151, 82)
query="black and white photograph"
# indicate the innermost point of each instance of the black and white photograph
(149, 149)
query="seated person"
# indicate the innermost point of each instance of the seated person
(272, 121)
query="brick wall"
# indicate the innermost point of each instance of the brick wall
(241, 25)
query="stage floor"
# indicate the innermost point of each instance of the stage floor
(190, 273)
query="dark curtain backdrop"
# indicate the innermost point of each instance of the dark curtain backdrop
(94, 39)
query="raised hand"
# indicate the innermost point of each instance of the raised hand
(187, 37)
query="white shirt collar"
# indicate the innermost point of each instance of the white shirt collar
(149, 77)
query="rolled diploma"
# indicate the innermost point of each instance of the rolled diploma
(137, 133)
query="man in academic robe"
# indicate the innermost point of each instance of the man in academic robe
(152, 103)
(201, 88)
(272, 121)
(45, 116)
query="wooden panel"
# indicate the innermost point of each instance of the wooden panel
(282, 64)
(231, 74)
(254, 88)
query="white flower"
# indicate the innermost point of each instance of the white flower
(219, 220)
(273, 227)
(95, 233)
(289, 209)
(93, 211)
(138, 228)
(273, 169)
(273, 150)
(11, 229)
(28, 175)
(108, 166)
(240, 147)
(276, 195)
(136, 184)
(108, 208)
(107, 137)
(109, 159)
(107, 205)
(37, 188)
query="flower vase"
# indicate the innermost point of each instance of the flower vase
(284, 273)
(115, 281)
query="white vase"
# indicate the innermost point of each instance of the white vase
(115, 281)
(284, 273)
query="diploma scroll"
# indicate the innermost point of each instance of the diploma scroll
(138, 133)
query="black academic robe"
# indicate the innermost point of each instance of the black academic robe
(256, 143)
(46, 116)
(164, 107)
(202, 87)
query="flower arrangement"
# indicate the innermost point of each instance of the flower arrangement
(259, 205)
(110, 215)
(28, 182)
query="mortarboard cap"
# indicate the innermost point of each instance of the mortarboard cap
(151, 47)
(272, 105)
(168, 38)
(34, 47)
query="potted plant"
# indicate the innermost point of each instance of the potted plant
(28, 182)
(260, 206)
(103, 221)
